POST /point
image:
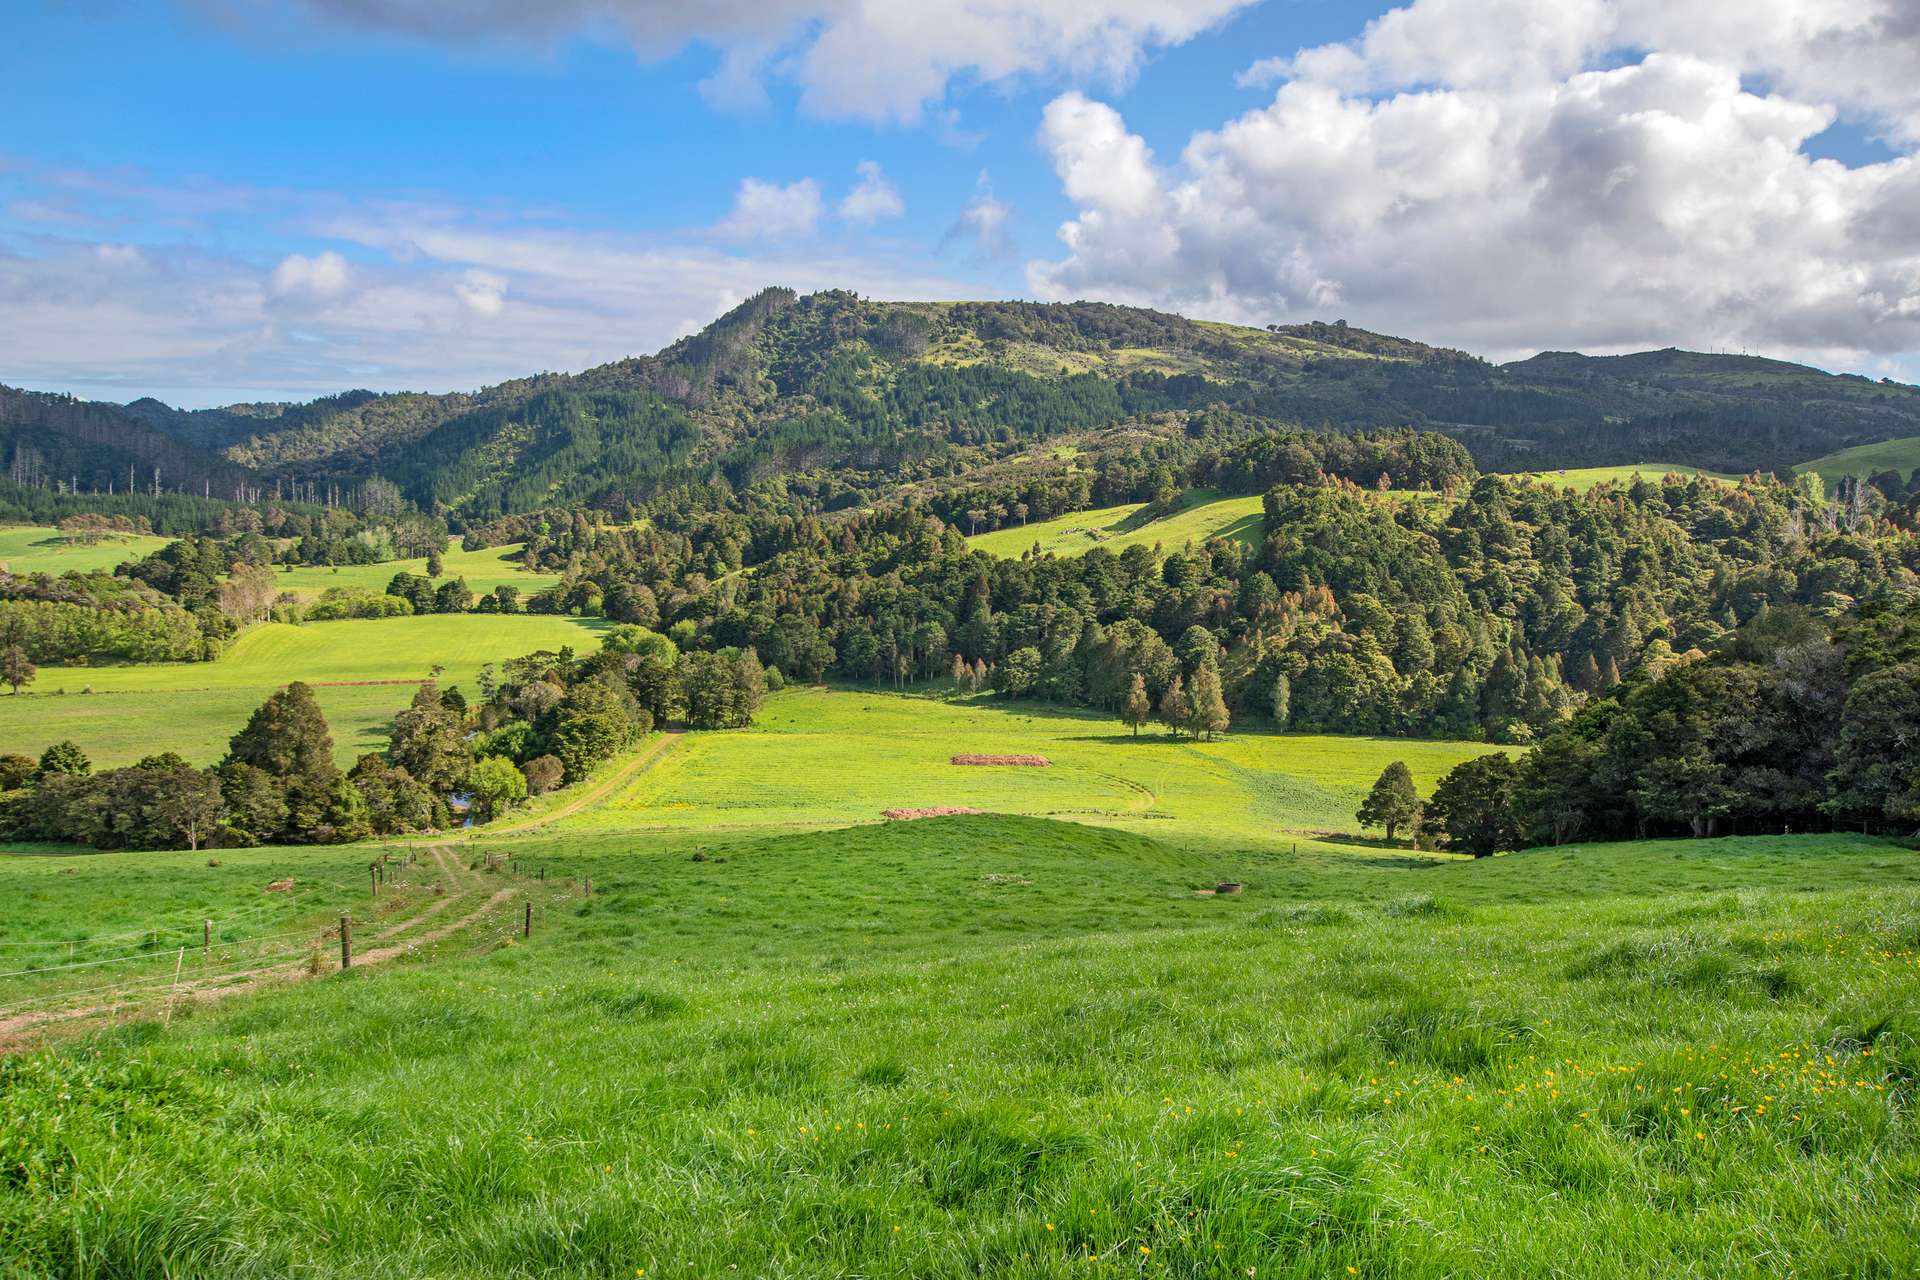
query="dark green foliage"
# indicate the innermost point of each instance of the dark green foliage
(1473, 806)
(591, 723)
(64, 758)
(428, 741)
(287, 738)
(1393, 802)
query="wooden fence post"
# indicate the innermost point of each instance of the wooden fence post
(373, 875)
(589, 886)
(206, 941)
(346, 942)
(526, 929)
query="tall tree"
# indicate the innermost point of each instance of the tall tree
(1139, 708)
(15, 669)
(1473, 805)
(1393, 800)
(1206, 705)
(287, 737)
(1174, 707)
(427, 742)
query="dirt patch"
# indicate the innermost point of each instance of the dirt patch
(936, 811)
(1028, 762)
(280, 886)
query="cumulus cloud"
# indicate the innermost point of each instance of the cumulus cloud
(770, 211)
(1507, 176)
(873, 198)
(322, 276)
(864, 59)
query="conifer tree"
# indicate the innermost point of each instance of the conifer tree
(1206, 705)
(1173, 706)
(1139, 708)
(1393, 800)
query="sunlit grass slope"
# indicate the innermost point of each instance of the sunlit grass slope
(484, 570)
(818, 757)
(1203, 514)
(38, 549)
(1581, 479)
(194, 707)
(1010, 1047)
(1901, 456)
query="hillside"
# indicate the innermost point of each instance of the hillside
(855, 396)
(1900, 457)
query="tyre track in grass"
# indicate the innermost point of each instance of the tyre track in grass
(595, 792)
(15, 1029)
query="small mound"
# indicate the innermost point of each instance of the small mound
(1028, 762)
(936, 811)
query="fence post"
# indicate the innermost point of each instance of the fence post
(373, 875)
(206, 941)
(589, 886)
(346, 942)
(526, 929)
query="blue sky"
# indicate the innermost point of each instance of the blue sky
(211, 200)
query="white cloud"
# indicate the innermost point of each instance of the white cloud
(983, 224)
(770, 211)
(864, 59)
(482, 291)
(426, 307)
(321, 276)
(1488, 173)
(873, 198)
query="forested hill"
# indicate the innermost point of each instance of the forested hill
(849, 396)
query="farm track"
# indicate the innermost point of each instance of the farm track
(596, 792)
(15, 1029)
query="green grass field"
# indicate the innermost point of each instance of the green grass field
(484, 570)
(194, 707)
(1865, 460)
(785, 1038)
(1581, 479)
(826, 758)
(1203, 514)
(38, 549)
(1016, 1047)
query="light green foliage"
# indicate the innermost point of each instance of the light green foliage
(193, 708)
(497, 785)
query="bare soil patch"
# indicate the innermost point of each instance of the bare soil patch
(935, 811)
(1022, 761)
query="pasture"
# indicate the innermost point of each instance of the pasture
(1581, 479)
(1019, 1047)
(362, 671)
(820, 758)
(1901, 456)
(40, 549)
(484, 570)
(1203, 514)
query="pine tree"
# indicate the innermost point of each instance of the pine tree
(1206, 706)
(287, 737)
(1139, 708)
(1393, 800)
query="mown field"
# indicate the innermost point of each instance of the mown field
(39, 549)
(1019, 1047)
(1581, 479)
(1203, 514)
(194, 707)
(1901, 455)
(821, 757)
(484, 570)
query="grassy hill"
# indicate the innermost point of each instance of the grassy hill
(484, 570)
(1902, 456)
(1581, 479)
(1014, 1047)
(363, 669)
(39, 549)
(1203, 514)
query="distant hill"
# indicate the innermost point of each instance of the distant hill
(851, 395)
(1901, 457)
